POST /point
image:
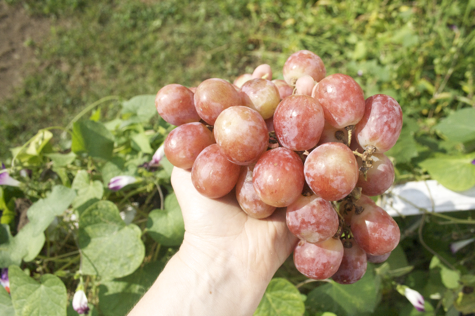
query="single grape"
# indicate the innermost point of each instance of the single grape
(261, 95)
(304, 85)
(318, 261)
(378, 178)
(214, 96)
(353, 266)
(331, 171)
(331, 134)
(242, 79)
(212, 174)
(312, 218)
(302, 63)
(381, 124)
(378, 259)
(242, 134)
(284, 89)
(373, 229)
(342, 100)
(185, 143)
(175, 104)
(247, 197)
(278, 177)
(298, 122)
(263, 71)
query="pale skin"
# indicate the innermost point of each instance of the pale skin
(226, 261)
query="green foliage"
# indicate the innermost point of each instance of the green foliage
(6, 305)
(281, 298)
(92, 138)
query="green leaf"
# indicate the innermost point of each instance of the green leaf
(46, 298)
(167, 165)
(140, 142)
(405, 148)
(359, 298)
(449, 277)
(6, 244)
(167, 226)
(88, 192)
(142, 107)
(61, 160)
(108, 247)
(456, 173)
(459, 126)
(34, 148)
(397, 259)
(281, 298)
(6, 305)
(113, 168)
(92, 138)
(118, 296)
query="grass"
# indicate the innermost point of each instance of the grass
(422, 53)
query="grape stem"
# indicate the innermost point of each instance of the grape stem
(350, 129)
(366, 158)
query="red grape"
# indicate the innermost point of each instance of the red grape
(318, 261)
(175, 105)
(242, 134)
(378, 178)
(263, 71)
(298, 122)
(214, 96)
(312, 218)
(331, 171)
(353, 266)
(247, 197)
(381, 124)
(332, 134)
(378, 259)
(342, 100)
(278, 177)
(302, 63)
(261, 95)
(242, 79)
(212, 174)
(185, 143)
(284, 89)
(304, 85)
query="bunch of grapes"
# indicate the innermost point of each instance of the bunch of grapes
(310, 143)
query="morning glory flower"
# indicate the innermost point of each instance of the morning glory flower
(80, 302)
(119, 182)
(4, 281)
(157, 156)
(456, 246)
(413, 296)
(5, 179)
(473, 162)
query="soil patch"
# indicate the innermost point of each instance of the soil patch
(19, 33)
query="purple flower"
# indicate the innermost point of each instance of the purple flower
(5, 179)
(415, 298)
(80, 302)
(119, 182)
(473, 162)
(157, 156)
(456, 246)
(4, 281)
(454, 27)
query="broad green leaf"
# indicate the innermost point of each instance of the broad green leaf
(459, 126)
(88, 192)
(166, 226)
(281, 298)
(397, 259)
(410, 310)
(35, 146)
(92, 138)
(141, 143)
(456, 173)
(113, 168)
(27, 244)
(359, 298)
(46, 298)
(61, 160)
(6, 305)
(108, 247)
(96, 115)
(81, 180)
(142, 107)
(6, 243)
(406, 148)
(118, 296)
(449, 277)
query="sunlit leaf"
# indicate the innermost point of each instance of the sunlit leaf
(456, 173)
(92, 138)
(459, 126)
(281, 298)
(166, 226)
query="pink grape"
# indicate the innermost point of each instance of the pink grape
(302, 63)
(261, 95)
(312, 218)
(374, 230)
(175, 104)
(353, 266)
(304, 85)
(318, 261)
(378, 178)
(263, 71)
(284, 89)
(214, 96)
(381, 124)
(378, 259)
(278, 177)
(331, 171)
(242, 134)
(247, 197)
(242, 79)
(298, 122)
(332, 134)
(185, 143)
(342, 100)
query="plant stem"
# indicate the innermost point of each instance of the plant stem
(90, 107)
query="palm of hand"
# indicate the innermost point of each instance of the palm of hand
(220, 226)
